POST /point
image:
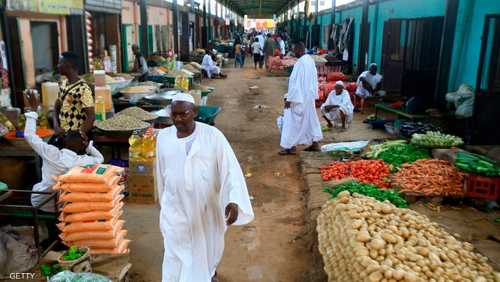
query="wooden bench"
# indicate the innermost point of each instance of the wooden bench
(399, 113)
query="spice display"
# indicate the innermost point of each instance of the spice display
(478, 164)
(397, 153)
(138, 113)
(140, 89)
(434, 139)
(429, 177)
(370, 191)
(366, 171)
(362, 239)
(121, 123)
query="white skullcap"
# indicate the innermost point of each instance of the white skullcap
(340, 83)
(183, 97)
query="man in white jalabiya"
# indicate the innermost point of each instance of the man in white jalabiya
(338, 107)
(300, 121)
(210, 67)
(369, 84)
(202, 191)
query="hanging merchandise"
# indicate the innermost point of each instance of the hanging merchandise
(90, 41)
(345, 40)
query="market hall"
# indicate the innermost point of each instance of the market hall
(205, 140)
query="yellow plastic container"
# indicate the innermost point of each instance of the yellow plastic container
(104, 92)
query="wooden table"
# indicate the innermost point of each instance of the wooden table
(385, 108)
(22, 150)
(113, 141)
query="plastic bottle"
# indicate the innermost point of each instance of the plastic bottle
(100, 109)
(135, 143)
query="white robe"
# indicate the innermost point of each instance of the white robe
(373, 80)
(345, 105)
(194, 188)
(209, 66)
(300, 122)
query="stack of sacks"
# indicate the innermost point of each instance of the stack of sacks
(91, 209)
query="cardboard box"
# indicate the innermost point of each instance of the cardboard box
(141, 184)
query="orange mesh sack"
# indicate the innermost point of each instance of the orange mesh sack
(99, 173)
(121, 249)
(92, 215)
(103, 244)
(98, 235)
(74, 197)
(88, 187)
(91, 206)
(87, 226)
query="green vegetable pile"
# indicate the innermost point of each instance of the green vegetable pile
(475, 163)
(434, 139)
(74, 253)
(368, 190)
(49, 270)
(397, 153)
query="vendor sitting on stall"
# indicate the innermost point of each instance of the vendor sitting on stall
(209, 66)
(140, 64)
(369, 84)
(74, 109)
(74, 151)
(338, 108)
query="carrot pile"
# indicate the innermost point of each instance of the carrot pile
(367, 171)
(429, 177)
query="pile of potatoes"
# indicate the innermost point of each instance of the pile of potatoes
(362, 239)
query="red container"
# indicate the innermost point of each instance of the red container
(483, 187)
(335, 76)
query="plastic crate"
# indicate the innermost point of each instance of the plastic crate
(483, 187)
(207, 114)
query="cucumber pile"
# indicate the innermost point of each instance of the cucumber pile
(478, 164)
(435, 139)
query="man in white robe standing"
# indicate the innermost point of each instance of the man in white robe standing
(300, 121)
(202, 191)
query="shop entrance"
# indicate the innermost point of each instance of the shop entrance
(410, 56)
(44, 36)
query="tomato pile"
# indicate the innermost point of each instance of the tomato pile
(367, 171)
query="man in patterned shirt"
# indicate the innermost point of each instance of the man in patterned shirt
(75, 106)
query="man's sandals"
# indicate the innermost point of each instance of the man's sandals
(285, 152)
(215, 278)
(313, 148)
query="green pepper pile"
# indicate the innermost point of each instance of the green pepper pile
(397, 153)
(370, 191)
(48, 270)
(74, 253)
(475, 163)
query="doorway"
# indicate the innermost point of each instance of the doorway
(410, 56)
(487, 101)
(44, 35)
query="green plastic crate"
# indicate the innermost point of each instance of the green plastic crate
(207, 114)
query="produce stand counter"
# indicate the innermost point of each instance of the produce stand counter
(22, 150)
(13, 207)
(385, 108)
